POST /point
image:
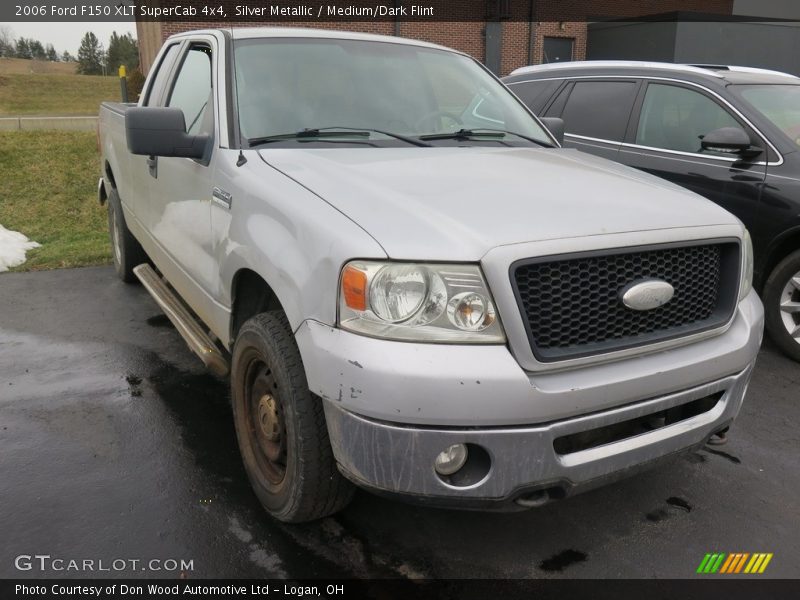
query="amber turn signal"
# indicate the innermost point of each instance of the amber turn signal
(354, 288)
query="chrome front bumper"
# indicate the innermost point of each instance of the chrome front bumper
(399, 459)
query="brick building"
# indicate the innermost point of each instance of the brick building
(503, 34)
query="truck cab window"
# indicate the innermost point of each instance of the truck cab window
(192, 90)
(156, 91)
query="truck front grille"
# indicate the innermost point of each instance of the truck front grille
(571, 305)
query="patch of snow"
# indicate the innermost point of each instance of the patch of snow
(13, 246)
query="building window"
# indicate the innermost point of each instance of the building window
(557, 49)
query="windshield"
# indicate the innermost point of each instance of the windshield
(779, 103)
(290, 85)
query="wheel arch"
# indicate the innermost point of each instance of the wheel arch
(787, 243)
(250, 295)
(106, 181)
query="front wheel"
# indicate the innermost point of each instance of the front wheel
(782, 305)
(281, 426)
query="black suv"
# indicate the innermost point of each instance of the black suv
(731, 134)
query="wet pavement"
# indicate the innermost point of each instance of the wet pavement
(116, 444)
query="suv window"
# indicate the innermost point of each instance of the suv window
(192, 89)
(534, 93)
(676, 118)
(779, 103)
(600, 109)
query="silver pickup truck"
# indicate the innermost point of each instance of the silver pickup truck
(413, 287)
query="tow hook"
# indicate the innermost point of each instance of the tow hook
(720, 438)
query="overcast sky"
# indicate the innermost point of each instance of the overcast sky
(67, 36)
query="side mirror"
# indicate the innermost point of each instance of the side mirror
(730, 140)
(556, 126)
(157, 131)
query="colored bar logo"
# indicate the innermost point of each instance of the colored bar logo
(734, 563)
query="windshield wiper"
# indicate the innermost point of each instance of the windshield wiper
(466, 134)
(329, 132)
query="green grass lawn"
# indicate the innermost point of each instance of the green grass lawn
(49, 194)
(55, 94)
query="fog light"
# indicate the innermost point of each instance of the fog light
(451, 460)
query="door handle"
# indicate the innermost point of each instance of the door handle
(152, 166)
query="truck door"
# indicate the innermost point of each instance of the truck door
(135, 193)
(179, 218)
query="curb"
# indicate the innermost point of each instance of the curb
(34, 123)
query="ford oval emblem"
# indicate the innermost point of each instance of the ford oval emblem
(647, 294)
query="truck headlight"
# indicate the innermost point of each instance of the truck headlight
(746, 284)
(418, 302)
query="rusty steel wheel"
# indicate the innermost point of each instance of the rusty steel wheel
(281, 425)
(266, 423)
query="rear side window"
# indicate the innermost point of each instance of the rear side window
(599, 109)
(676, 118)
(156, 91)
(534, 93)
(192, 90)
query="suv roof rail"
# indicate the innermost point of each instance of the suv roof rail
(710, 66)
(736, 69)
(761, 71)
(616, 63)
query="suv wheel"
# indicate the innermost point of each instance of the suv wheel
(782, 305)
(281, 425)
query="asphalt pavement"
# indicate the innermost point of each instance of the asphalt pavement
(115, 444)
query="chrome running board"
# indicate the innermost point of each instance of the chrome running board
(197, 339)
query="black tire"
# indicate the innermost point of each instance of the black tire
(778, 290)
(125, 249)
(281, 426)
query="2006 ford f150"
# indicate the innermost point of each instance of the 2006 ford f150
(414, 288)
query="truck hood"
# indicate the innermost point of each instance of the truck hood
(457, 203)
